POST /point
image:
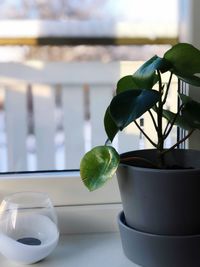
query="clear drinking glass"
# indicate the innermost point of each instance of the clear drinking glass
(28, 227)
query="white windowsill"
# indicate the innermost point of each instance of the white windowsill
(64, 188)
(86, 250)
(76, 207)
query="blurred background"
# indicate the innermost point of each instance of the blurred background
(59, 64)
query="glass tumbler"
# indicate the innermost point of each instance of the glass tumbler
(28, 227)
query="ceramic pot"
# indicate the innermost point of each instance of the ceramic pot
(151, 250)
(163, 201)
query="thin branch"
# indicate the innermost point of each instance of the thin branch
(159, 115)
(166, 128)
(108, 142)
(167, 89)
(153, 144)
(153, 119)
(179, 142)
(159, 80)
(155, 107)
(167, 131)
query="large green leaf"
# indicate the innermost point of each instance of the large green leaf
(130, 105)
(98, 166)
(191, 112)
(185, 60)
(180, 120)
(110, 126)
(145, 76)
(126, 83)
(184, 98)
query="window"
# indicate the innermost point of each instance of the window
(57, 87)
(57, 58)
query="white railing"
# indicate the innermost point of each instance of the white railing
(51, 113)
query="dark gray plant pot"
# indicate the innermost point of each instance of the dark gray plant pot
(150, 250)
(163, 202)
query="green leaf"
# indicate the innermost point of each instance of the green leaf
(145, 76)
(180, 120)
(185, 60)
(193, 80)
(110, 126)
(185, 99)
(191, 112)
(126, 83)
(130, 105)
(98, 166)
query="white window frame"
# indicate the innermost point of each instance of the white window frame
(189, 32)
(79, 211)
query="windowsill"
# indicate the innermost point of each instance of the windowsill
(91, 250)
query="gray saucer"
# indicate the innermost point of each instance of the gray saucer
(150, 250)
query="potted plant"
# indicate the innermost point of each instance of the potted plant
(159, 187)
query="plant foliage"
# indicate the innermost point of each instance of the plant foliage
(135, 95)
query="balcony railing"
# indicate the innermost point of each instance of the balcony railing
(52, 113)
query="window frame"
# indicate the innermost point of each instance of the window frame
(188, 28)
(41, 34)
(78, 209)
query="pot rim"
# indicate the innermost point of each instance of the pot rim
(122, 222)
(194, 170)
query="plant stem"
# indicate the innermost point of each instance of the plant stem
(159, 116)
(108, 142)
(160, 145)
(153, 144)
(153, 119)
(167, 131)
(179, 142)
(167, 89)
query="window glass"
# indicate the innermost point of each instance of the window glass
(122, 18)
(52, 97)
